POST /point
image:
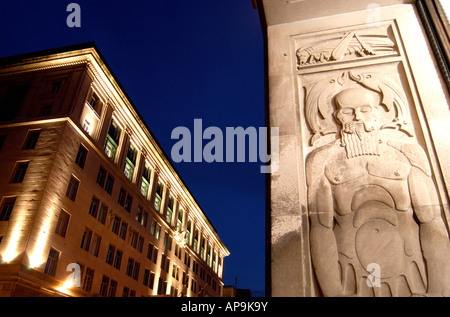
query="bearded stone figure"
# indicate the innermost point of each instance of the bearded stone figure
(373, 204)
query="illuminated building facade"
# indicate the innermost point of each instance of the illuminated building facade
(90, 204)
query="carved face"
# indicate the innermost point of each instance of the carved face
(356, 107)
(358, 114)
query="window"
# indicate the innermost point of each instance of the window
(118, 259)
(214, 264)
(188, 232)
(180, 220)
(140, 243)
(130, 264)
(19, 172)
(86, 239)
(52, 262)
(126, 291)
(155, 255)
(109, 184)
(145, 182)
(130, 162)
(146, 277)
(150, 250)
(95, 246)
(123, 230)
(72, 188)
(94, 100)
(202, 249)
(196, 233)
(169, 213)
(112, 140)
(87, 281)
(101, 176)
(31, 140)
(151, 280)
(187, 259)
(102, 214)
(141, 216)
(128, 203)
(93, 208)
(122, 196)
(155, 229)
(168, 241)
(208, 255)
(86, 126)
(116, 224)
(134, 239)
(7, 207)
(112, 288)
(63, 222)
(163, 261)
(110, 254)
(81, 156)
(158, 195)
(104, 285)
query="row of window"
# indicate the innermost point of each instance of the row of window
(125, 199)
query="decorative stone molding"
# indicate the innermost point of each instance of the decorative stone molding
(345, 46)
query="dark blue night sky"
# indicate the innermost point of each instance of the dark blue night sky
(178, 61)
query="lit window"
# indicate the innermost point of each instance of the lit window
(130, 162)
(155, 229)
(196, 233)
(145, 182)
(86, 126)
(141, 216)
(188, 231)
(180, 220)
(169, 213)
(158, 195)
(202, 249)
(112, 140)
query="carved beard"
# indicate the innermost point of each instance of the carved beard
(360, 138)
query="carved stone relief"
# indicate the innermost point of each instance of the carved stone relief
(371, 198)
(346, 45)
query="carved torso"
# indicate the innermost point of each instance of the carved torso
(373, 217)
